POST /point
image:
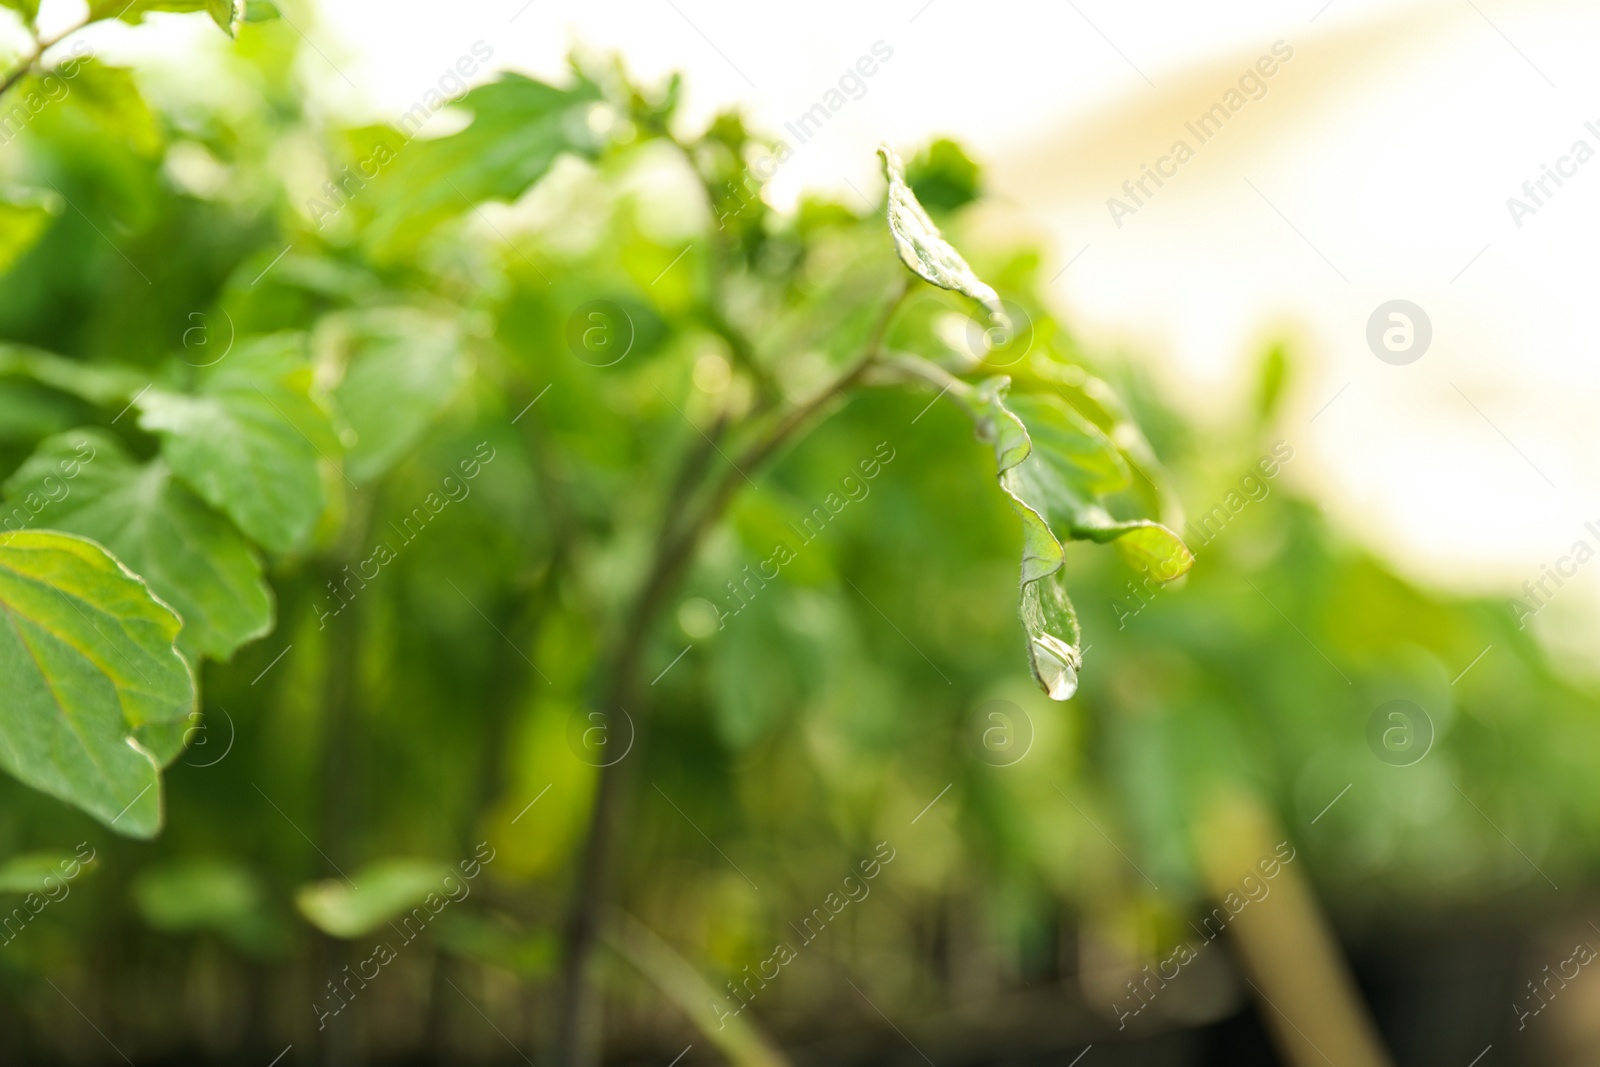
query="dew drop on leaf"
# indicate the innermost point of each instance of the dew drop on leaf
(1055, 664)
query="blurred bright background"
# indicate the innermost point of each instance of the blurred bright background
(1381, 156)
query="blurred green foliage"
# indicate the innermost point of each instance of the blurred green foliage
(363, 448)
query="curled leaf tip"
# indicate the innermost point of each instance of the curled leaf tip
(922, 248)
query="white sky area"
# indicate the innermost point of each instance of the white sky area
(1376, 166)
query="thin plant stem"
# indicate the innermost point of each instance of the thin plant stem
(578, 1023)
(40, 47)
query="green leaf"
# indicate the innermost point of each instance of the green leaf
(37, 872)
(1067, 470)
(249, 439)
(135, 10)
(1147, 545)
(1071, 462)
(1096, 401)
(211, 895)
(996, 424)
(226, 14)
(28, 412)
(1071, 468)
(260, 11)
(944, 177)
(89, 673)
(920, 245)
(495, 941)
(1271, 378)
(23, 220)
(105, 102)
(1054, 656)
(519, 127)
(401, 367)
(1055, 467)
(192, 557)
(379, 893)
(102, 384)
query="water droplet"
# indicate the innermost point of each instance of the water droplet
(1055, 665)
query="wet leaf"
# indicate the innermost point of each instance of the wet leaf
(1051, 622)
(1056, 467)
(920, 245)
